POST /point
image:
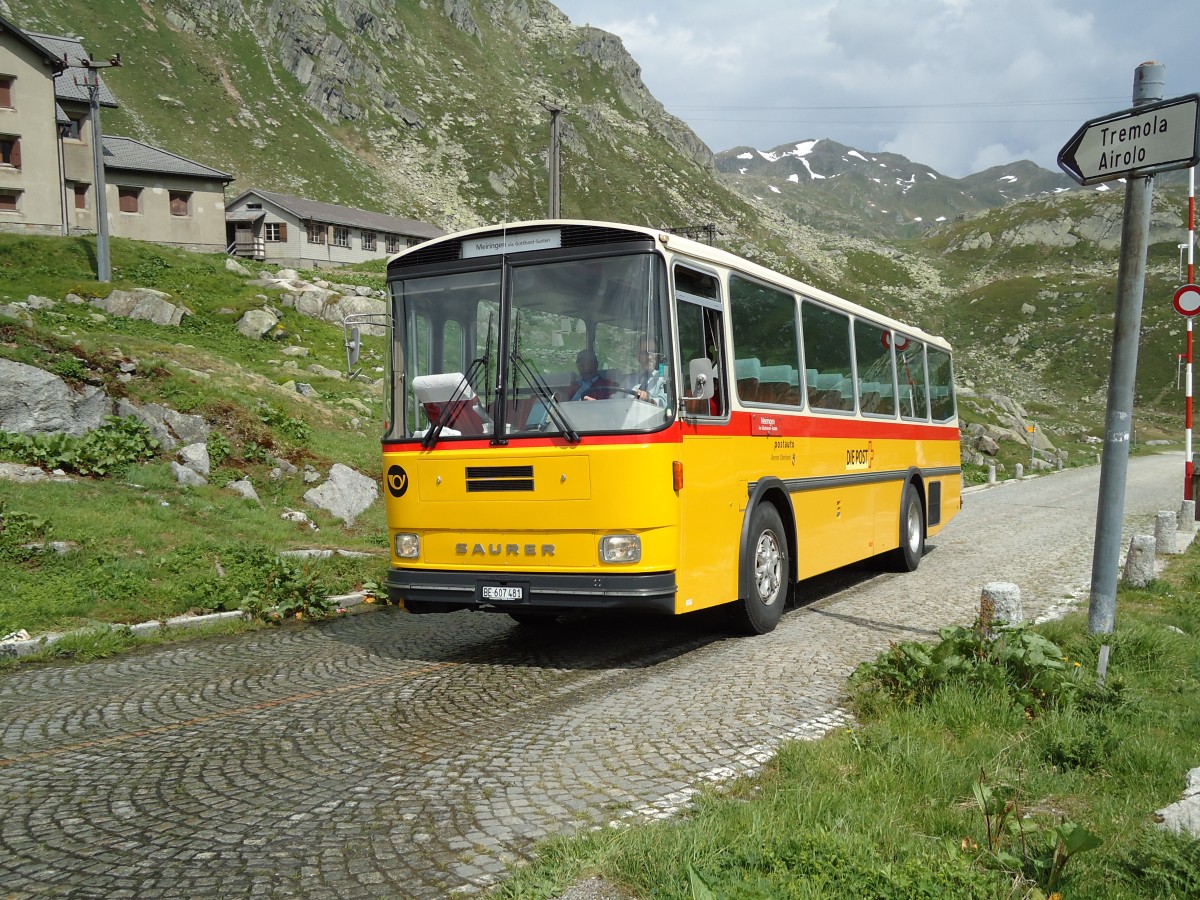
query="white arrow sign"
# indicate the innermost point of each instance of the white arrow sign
(1139, 141)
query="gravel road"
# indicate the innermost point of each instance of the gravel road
(388, 755)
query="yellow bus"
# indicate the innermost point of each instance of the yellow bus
(589, 416)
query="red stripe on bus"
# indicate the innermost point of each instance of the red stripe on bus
(668, 435)
(792, 425)
(741, 424)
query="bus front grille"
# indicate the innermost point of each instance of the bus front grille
(497, 479)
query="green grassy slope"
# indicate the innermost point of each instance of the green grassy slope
(146, 547)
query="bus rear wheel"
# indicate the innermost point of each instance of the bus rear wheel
(765, 562)
(907, 557)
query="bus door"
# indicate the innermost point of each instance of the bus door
(711, 504)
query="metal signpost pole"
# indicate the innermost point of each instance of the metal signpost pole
(1131, 280)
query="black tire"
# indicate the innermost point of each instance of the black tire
(908, 555)
(766, 572)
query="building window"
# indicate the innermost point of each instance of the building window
(10, 201)
(81, 192)
(129, 199)
(181, 203)
(341, 236)
(10, 150)
(316, 233)
(369, 241)
(412, 242)
(393, 243)
(6, 91)
(276, 232)
(72, 128)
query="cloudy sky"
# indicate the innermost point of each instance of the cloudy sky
(959, 85)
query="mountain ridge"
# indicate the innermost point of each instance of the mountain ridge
(437, 112)
(878, 193)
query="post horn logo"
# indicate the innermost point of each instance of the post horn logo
(397, 481)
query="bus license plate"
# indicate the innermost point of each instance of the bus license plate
(498, 592)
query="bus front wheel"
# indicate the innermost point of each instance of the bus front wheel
(912, 531)
(765, 562)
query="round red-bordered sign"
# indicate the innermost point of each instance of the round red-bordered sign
(886, 340)
(1187, 300)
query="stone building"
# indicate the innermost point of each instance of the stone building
(291, 231)
(47, 168)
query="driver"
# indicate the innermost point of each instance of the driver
(646, 384)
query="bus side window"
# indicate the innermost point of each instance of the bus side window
(827, 351)
(941, 385)
(910, 372)
(766, 343)
(701, 334)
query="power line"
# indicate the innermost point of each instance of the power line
(814, 121)
(966, 105)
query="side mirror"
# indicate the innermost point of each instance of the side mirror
(700, 379)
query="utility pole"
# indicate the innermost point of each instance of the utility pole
(555, 205)
(93, 67)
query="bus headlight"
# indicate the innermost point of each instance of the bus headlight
(620, 548)
(408, 546)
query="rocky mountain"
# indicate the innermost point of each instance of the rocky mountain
(438, 110)
(836, 187)
(434, 109)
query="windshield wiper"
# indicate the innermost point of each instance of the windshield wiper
(545, 394)
(435, 430)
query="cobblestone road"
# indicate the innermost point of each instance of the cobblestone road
(387, 755)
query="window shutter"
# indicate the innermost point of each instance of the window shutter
(283, 231)
(16, 153)
(6, 93)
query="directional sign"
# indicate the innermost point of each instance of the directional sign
(1139, 141)
(1187, 300)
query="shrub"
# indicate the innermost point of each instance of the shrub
(18, 529)
(1029, 666)
(108, 450)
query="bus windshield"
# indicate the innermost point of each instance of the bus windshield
(571, 347)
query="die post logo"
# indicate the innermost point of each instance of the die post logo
(397, 481)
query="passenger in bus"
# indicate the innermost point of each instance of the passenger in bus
(589, 384)
(646, 384)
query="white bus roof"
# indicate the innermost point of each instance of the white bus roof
(700, 252)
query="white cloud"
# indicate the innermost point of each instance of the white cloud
(953, 84)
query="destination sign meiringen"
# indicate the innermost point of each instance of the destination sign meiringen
(1138, 141)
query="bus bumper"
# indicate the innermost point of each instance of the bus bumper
(427, 591)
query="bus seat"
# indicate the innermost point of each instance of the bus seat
(435, 392)
(773, 383)
(868, 399)
(558, 381)
(746, 373)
